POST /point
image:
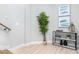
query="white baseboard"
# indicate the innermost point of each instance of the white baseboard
(2, 47)
(27, 44)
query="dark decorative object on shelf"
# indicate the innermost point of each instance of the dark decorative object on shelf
(59, 30)
(65, 43)
(57, 36)
(61, 42)
(69, 36)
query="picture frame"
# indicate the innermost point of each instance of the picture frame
(64, 22)
(64, 10)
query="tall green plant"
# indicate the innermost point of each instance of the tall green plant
(43, 24)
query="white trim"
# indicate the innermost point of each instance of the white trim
(2, 47)
(27, 44)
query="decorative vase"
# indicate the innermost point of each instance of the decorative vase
(65, 43)
(71, 27)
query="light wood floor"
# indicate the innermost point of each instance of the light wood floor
(43, 49)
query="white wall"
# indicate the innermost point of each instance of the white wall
(75, 14)
(28, 23)
(75, 18)
(16, 13)
(26, 14)
(26, 29)
(51, 11)
(32, 27)
(13, 17)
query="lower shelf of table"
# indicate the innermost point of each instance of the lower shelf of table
(69, 46)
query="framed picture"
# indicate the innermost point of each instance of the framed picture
(64, 9)
(64, 21)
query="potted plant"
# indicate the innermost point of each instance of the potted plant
(43, 25)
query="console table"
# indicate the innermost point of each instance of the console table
(69, 37)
